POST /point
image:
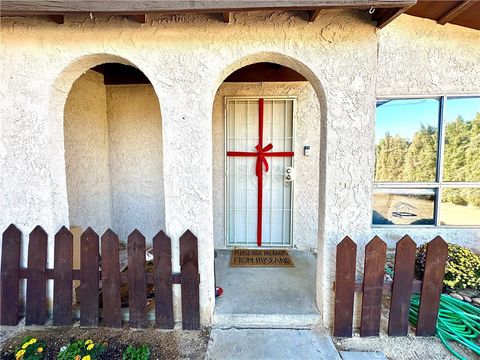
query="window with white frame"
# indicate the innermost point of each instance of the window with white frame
(427, 162)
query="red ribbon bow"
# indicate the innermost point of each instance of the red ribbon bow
(261, 159)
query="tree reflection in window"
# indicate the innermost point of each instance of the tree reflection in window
(407, 151)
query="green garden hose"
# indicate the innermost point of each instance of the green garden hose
(457, 321)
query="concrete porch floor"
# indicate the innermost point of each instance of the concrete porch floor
(266, 296)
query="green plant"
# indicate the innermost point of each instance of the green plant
(31, 349)
(137, 353)
(81, 350)
(462, 270)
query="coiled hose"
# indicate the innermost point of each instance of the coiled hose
(457, 321)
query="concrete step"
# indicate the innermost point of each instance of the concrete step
(362, 355)
(276, 321)
(270, 344)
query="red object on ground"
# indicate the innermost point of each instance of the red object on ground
(218, 291)
(260, 154)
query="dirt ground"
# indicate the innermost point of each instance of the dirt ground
(402, 348)
(164, 344)
(409, 347)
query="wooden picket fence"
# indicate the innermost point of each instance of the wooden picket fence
(89, 275)
(373, 287)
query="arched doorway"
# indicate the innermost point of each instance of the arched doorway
(269, 100)
(113, 150)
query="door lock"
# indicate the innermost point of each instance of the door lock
(289, 174)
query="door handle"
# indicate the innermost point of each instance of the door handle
(289, 174)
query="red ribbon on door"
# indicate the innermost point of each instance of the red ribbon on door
(261, 155)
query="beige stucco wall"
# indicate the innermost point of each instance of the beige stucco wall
(186, 58)
(419, 57)
(307, 132)
(135, 133)
(87, 154)
(113, 157)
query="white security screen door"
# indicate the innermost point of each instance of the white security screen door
(259, 171)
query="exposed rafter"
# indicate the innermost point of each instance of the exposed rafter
(313, 14)
(58, 19)
(386, 16)
(142, 19)
(457, 10)
(227, 17)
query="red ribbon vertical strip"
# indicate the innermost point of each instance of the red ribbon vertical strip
(260, 176)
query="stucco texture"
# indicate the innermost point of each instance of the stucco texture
(187, 57)
(113, 157)
(419, 57)
(307, 132)
(136, 160)
(87, 154)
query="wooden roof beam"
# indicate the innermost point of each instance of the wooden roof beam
(142, 19)
(313, 14)
(453, 13)
(58, 19)
(386, 16)
(227, 17)
(122, 7)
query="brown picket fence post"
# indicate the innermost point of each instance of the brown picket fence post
(89, 278)
(190, 280)
(162, 275)
(36, 304)
(137, 280)
(63, 277)
(437, 251)
(375, 257)
(402, 287)
(112, 311)
(344, 287)
(9, 286)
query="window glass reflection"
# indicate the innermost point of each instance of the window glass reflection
(461, 161)
(406, 137)
(460, 206)
(403, 207)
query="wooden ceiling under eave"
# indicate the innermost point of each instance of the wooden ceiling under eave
(463, 13)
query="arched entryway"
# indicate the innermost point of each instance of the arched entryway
(112, 141)
(268, 101)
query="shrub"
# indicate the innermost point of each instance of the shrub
(31, 349)
(137, 353)
(81, 350)
(462, 270)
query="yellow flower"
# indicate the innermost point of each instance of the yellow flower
(90, 347)
(24, 346)
(88, 342)
(86, 357)
(19, 354)
(77, 357)
(33, 341)
(40, 349)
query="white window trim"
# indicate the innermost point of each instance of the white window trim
(437, 185)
